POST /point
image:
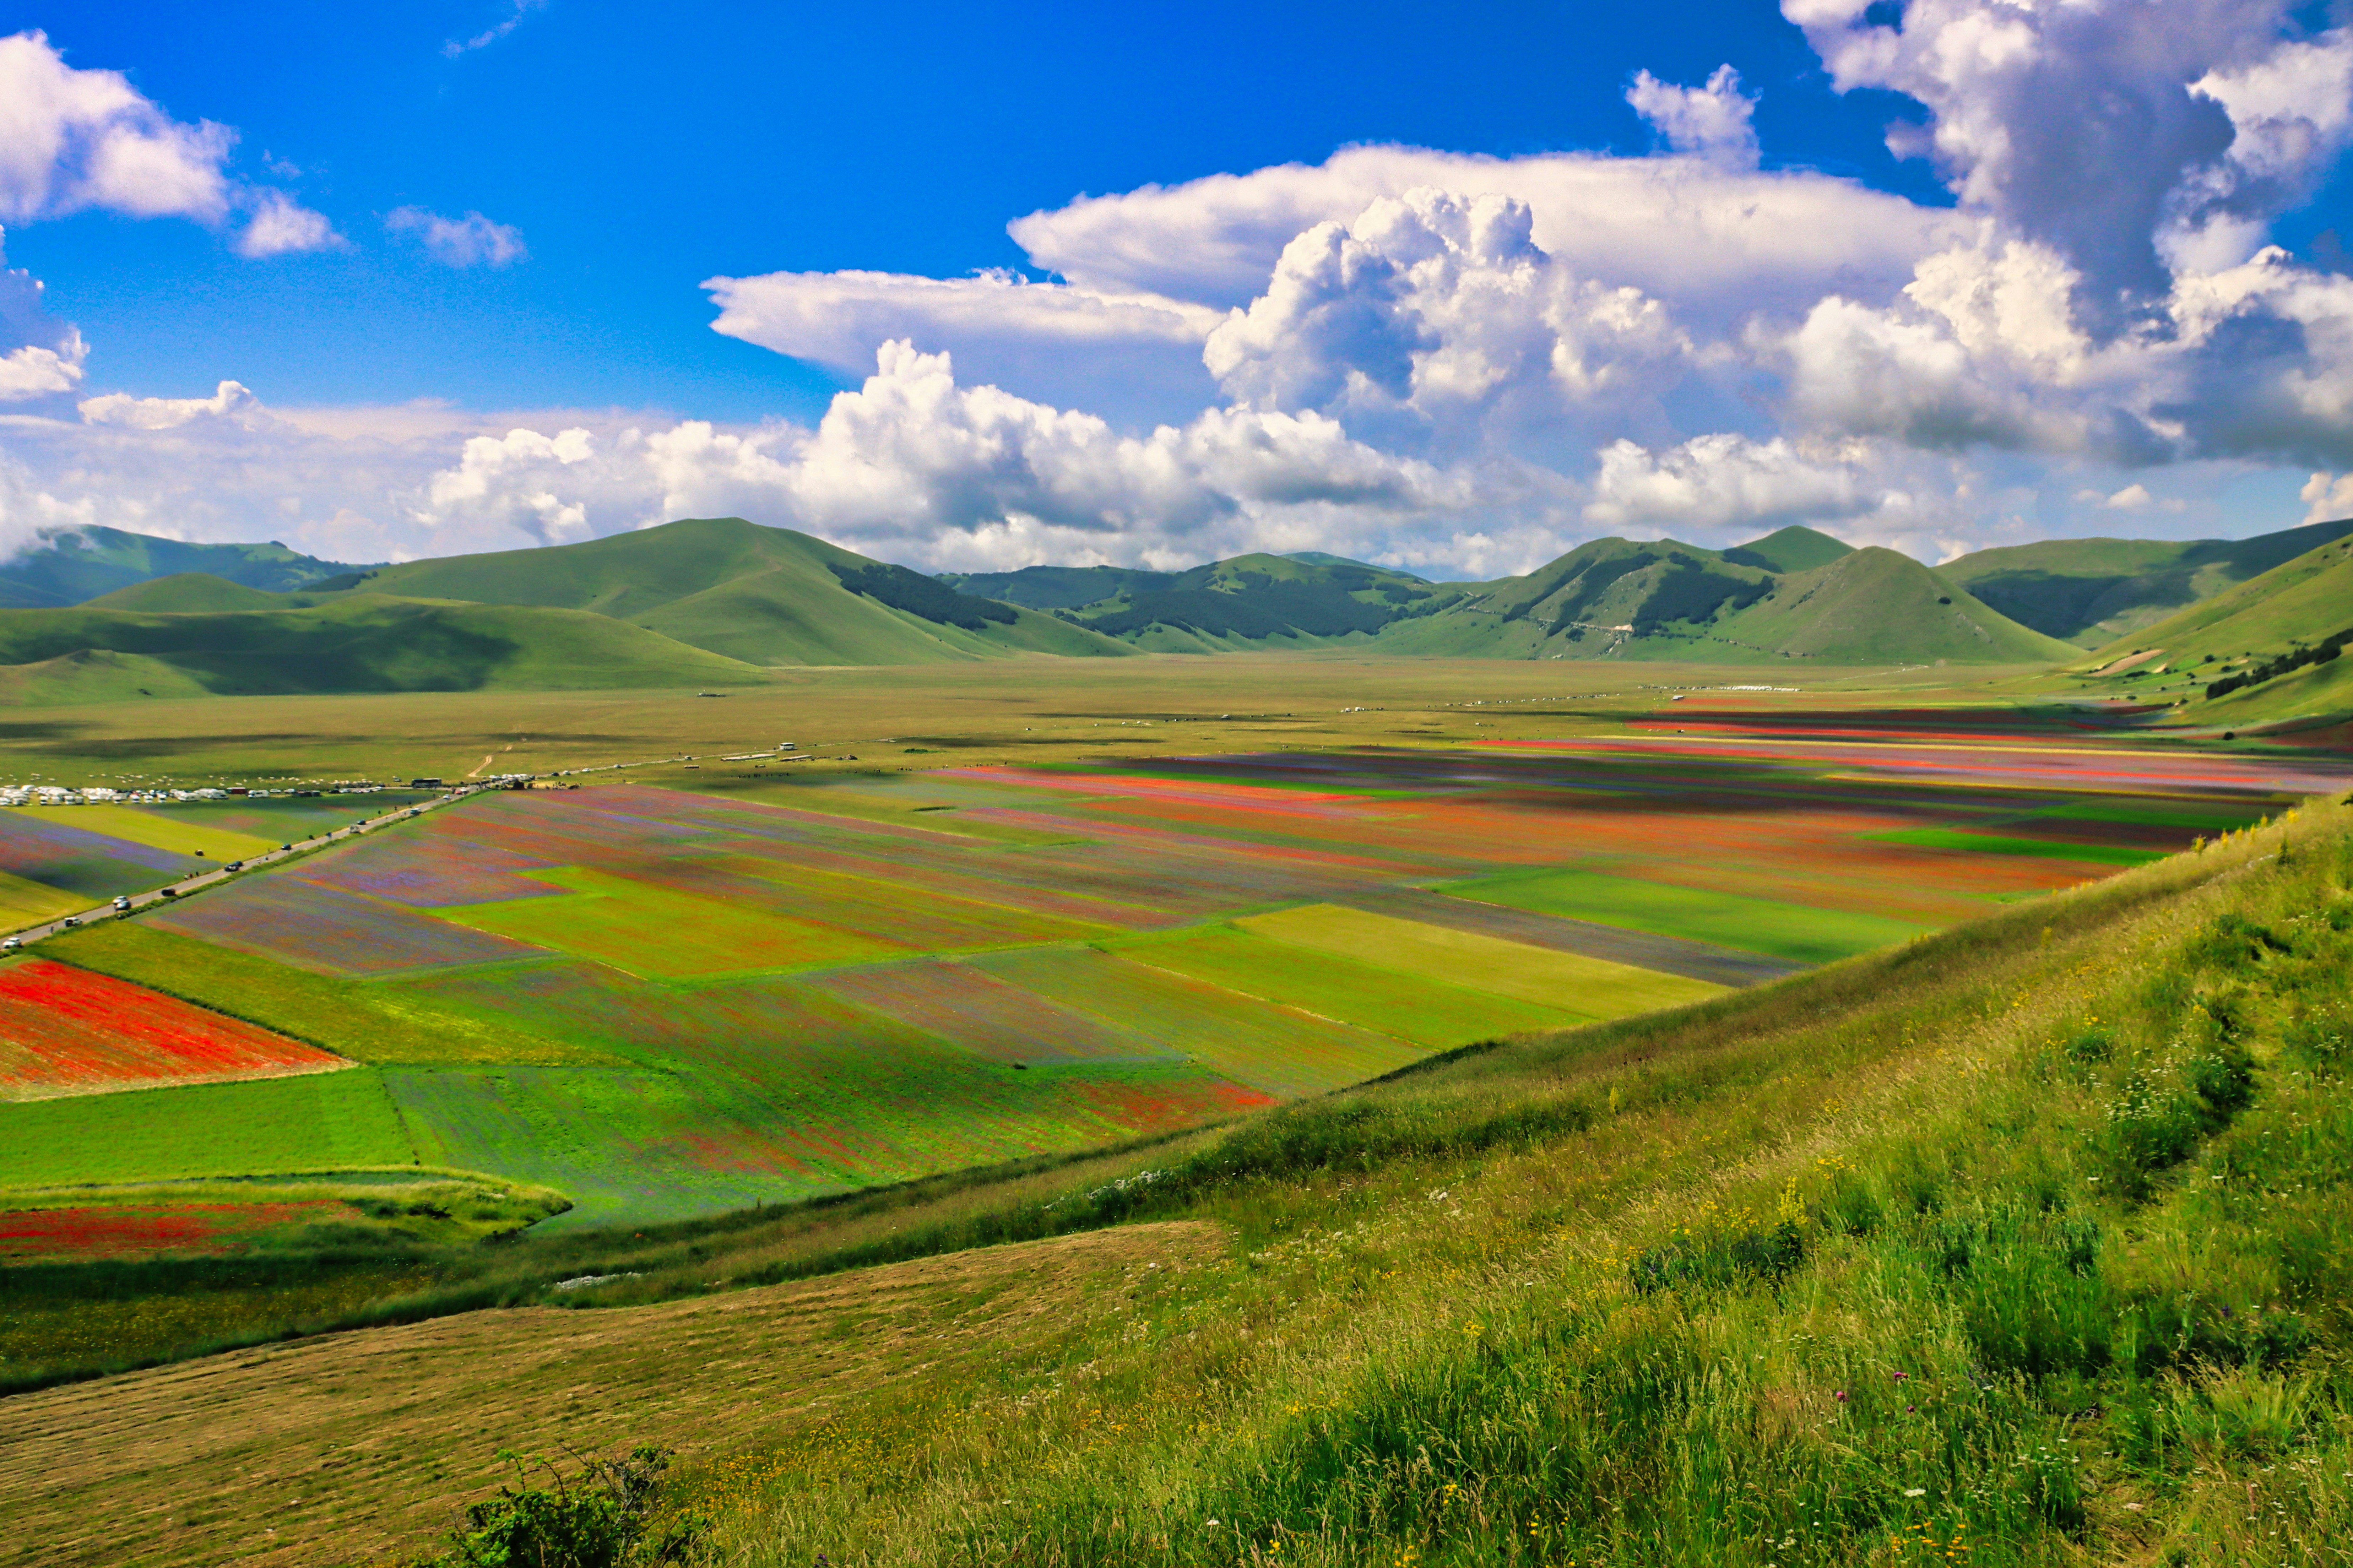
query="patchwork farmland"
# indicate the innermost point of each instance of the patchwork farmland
(670, 999)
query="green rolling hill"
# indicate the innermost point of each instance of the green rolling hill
(1794, 594)
(1620, 599)
(1796, 548)
(711, 601)
(356, 642)
(186, 593)
(2249, 636)
(72, 565)
(2090, 592)
(762, 595)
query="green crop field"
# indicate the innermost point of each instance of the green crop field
(1807, 935)
(383, 1023)
(1593, 987)
(653, 932)
(1332, 985)
(322, 1121)
(1977, 843)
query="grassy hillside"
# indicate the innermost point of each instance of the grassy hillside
(186, 593)
(1619, 599)
(1874, 605)
(2238, 635)
(2094, 591)
(68, 566)
(764, 596)
(1600, 598)
(94, 675)
(1792, 549)
(361, 642)
(1057, 588)
(2018, 1245)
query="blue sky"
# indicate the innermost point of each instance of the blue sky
(640, 154)
(1740, 301)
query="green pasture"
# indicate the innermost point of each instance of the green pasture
(644, 1145)
(1999, 844)
(1593, 987)
(316, 1123)
(383, 1022)
(1796, 931)
(1332, 985)
(663, 934)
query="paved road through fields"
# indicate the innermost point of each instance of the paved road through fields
(176, 891)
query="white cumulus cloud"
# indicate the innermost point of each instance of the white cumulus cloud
(72, 139)
(38, 356)
(1713, 122)
(281, 226)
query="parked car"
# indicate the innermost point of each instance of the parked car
(171, 892)
(121, 904)
(13, 944)
(234, 866)
(71, 921)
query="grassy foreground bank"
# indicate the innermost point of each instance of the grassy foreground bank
(2021, 1244)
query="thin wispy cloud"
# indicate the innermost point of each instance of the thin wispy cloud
(485, 40)
(472, 240)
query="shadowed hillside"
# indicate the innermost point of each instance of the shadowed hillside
(70, 566)
(360, 642)
(2094, 591)
(1618, 599)
(1248, 600)
(2261, 652)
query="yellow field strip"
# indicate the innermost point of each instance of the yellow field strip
(157, 830)
(25, 902)
(1593, 986)
(356, 1447)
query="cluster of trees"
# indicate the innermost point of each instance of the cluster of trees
(2297, 657)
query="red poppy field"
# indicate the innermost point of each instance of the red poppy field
(68, 1031)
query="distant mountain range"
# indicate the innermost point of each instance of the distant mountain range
(713, 601)
(1794, 594)
(72, 565)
